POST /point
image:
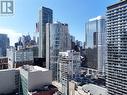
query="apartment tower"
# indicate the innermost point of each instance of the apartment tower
(116, 72)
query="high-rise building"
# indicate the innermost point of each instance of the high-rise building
(72, 42)
(96, 43)
(4, 43)
(68, 68)
(45, 16)
(116, 72)
(57, 40)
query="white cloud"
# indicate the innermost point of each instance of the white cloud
(12, 34)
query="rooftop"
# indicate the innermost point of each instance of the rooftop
(120, 3)
(67, 53)
(31, 68)
(97, 18)
(45, 88)
(97, 90)
(11, 69)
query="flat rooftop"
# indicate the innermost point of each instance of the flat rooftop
(8, 70)
(97, 90)
(31, 68)
(45, 88)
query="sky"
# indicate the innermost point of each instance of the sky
(74, 12)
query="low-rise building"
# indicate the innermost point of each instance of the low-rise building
(34, 77)
(26, 80)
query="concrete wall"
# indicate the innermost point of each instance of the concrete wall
(7, 81)
(38, 79)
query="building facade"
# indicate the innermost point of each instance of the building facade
(33, 78)
(45, 16)
(20, 57)
(27, 80)
(11, 57)
(57, 40)
(9, 81)
(95, 39)
(4, 43)
(116, 68)
(23, 57)
(68, 69)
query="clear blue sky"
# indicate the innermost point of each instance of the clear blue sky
(74, 12)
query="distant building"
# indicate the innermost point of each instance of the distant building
(19, 43)
(39, 62)
(72, 42)
(68, 68)
(34, 49)
(45, 16)
(19, 57)
(25, 42)
(4, 43)
(23, 57)
(95, 44)
(3, 63)
(11, 57)
(57, 40)
(116, 68)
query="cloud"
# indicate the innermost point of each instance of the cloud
(12, 34)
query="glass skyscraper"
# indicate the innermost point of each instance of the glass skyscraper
(116, 72)
(4, 43)
(95, 38)
(45, 16)
(57, 40)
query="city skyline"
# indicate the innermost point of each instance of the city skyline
(63, 47)
(64, 11)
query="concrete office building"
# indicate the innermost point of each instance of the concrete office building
(23, 57)
(19, 57)
(33, 78)
(116, 72)
(95, 39)
(45, 16)
(57, 40)
(26, 80)
(68, 68)
(4, 43)
(8, 81)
